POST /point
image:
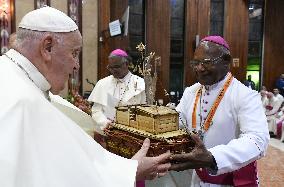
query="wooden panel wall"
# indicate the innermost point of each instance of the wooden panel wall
(117, 10)
(13, 16)
(236, 34)
(273, 42)
(109, 10)
(203, 18)
(197, 22)
(157, 36)
(158, 40)
(104, 43)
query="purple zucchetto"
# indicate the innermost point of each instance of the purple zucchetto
(218, 40)
(119, 52)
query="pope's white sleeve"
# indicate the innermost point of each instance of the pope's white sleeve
(253, 140)
(114, 167)
(98, 115)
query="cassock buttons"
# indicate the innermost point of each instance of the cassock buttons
(205, 110)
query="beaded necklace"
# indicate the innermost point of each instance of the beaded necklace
(20, 66)
(126, 88)
(208, 121)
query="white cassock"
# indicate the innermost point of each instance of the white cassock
(280, 119)
(40, 146)
(271, 115)
(110, 92)
(282, 135)
(239, 133)
(280, 97)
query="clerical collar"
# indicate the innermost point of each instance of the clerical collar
(125, 78)
(216, 85)
(32, 72)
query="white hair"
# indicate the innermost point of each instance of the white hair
(26, 35)
(122, 58)
(223, 50)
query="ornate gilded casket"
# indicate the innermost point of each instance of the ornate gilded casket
(135, 123)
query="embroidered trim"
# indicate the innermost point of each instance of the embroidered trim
(121, 96)
(214, 107)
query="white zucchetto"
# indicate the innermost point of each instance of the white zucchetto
(48, 19)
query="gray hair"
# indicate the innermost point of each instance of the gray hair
(26, 35)
(223, 50)
(122, 58)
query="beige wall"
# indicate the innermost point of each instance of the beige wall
(61, 5)
(89, 32)
(90, 43)
(22, 7)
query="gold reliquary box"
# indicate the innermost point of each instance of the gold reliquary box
(136, 122)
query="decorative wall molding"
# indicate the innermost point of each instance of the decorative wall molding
(6, 23)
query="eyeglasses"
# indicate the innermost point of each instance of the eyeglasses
(206, 62)
(115, 67)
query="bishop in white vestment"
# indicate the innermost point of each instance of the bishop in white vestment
(272, 108)
(119, 89)
(228, 118)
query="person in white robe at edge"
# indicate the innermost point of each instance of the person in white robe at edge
(264, 99)
(281, 120)
(121, 88)
(39, 145)
(229, 120)
(278, 95)
(272, 108)
(272, 115)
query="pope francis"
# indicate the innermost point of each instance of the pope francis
(39, 145)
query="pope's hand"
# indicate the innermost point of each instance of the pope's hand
(151, 167)
(108, 123)
(200, 157)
